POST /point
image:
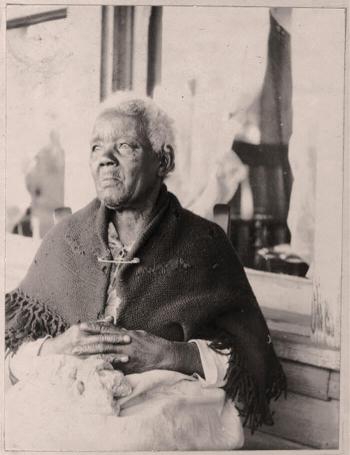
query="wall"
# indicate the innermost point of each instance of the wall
(53, 74)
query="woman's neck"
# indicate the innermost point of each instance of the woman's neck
(130, 222)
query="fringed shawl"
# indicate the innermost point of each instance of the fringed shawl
(189, 283)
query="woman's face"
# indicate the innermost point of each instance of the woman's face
(123, 165)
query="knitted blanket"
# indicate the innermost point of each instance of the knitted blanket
(189, 283)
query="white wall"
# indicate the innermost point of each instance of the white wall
(53, 76)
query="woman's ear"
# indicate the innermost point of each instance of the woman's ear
(166, 160)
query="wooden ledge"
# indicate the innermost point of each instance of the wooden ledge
(301, 349)
(286, 321)
(281, 292)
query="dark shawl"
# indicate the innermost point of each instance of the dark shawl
(189, 284)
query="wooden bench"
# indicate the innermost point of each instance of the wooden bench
(309, 417)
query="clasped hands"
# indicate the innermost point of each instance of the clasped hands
(131, 351)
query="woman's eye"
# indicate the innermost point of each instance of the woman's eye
(125, 148)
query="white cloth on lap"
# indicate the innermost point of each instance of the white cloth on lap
(166, 410)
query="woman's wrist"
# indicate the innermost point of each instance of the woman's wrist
(185, 358)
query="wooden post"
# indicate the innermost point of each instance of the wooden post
(327, 269)
(140, 55)
(318, 127)
(123, 47)
(328, 138)
(328, 243)
(107, 51)
(154, 49)
(116, 49)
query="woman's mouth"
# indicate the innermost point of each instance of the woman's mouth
(109, 173)
(110, 181)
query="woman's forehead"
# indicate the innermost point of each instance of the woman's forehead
(111, 125)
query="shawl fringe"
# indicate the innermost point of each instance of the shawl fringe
(27, 320)
(251, 398)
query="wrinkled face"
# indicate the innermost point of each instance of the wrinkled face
(123, 165)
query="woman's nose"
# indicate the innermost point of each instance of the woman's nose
(108, 156)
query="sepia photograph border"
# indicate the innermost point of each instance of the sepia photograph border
(344, 426)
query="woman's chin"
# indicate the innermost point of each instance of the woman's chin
(113, 201)
(112, 204)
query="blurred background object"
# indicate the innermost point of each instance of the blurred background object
(53, 87)
(234, 118)
(44, 178)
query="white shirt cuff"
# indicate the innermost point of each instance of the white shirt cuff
(214, 364)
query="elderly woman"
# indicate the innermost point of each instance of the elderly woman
(138, 279)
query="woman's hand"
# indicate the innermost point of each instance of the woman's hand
(132, 351)
(86, 337)
(149, 352)
(143, 352)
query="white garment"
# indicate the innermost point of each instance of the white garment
(53, 409)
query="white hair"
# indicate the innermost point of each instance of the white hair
(157, 124)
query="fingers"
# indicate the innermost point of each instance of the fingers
(100, 348)
(91, 343)
(107, 338)
(108, 320)
(103, 326)
(91, 327)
